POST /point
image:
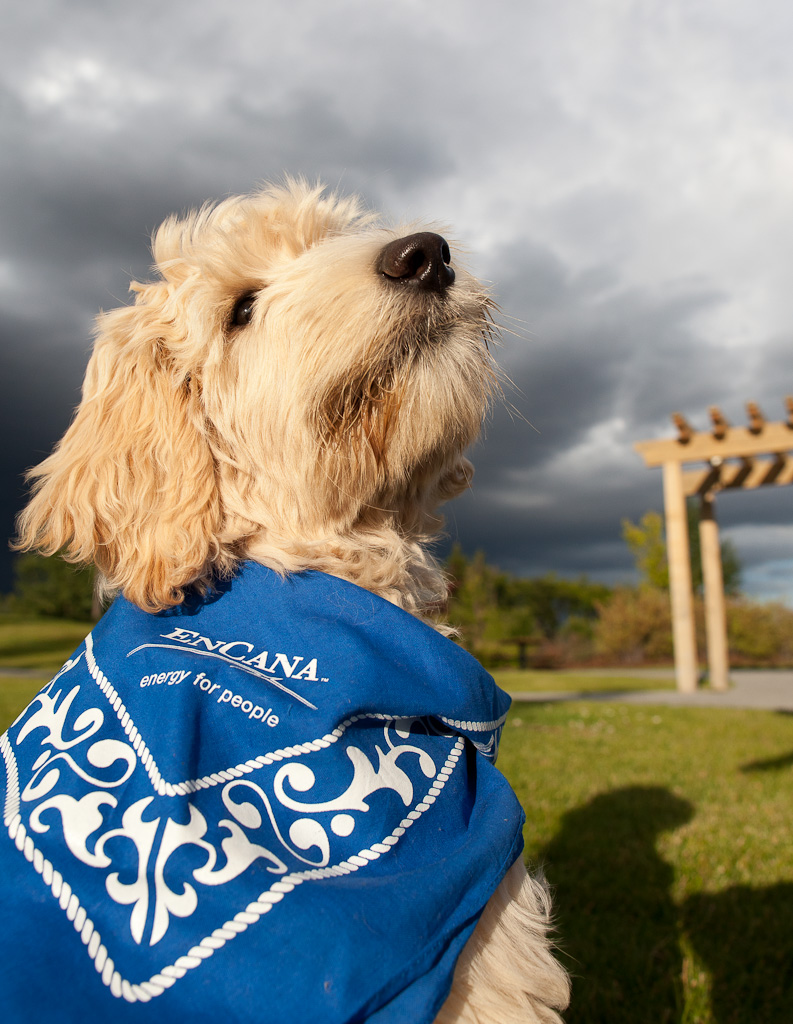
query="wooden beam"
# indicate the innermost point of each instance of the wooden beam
(737, 442)
(700, 481)
(785, 474)
(756, 418)
(745, 475)
(684, 429)
(755, 476)
(763, 471)
(720, 424)
(735, 474)
(680, 590)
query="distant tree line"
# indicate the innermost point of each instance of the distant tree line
(50, 587)
(503, 618)
(551, 622)
(544, 621)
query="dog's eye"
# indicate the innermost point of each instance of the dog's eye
(243, 311)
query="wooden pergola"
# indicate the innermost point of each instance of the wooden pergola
(735, 458)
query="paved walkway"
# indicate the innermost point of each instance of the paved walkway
(771, 690)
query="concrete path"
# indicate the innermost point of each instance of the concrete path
(771, 690)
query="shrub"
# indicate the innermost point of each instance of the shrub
(577, 640)
(51, 587)
(635, 626)
(759, 634)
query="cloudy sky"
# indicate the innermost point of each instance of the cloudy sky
(622, 171)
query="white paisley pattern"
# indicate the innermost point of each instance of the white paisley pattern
(72, 745)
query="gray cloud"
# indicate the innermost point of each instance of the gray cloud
(622, 177)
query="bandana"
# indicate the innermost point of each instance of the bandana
(276, 802)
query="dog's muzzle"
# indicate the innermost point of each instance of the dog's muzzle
(418, 261)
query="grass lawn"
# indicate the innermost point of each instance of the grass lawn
(39, 643)
(590, 681)
(15, 694)
(666, 834)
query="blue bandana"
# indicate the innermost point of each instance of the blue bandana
(274, 803)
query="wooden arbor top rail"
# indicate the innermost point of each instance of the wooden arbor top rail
(724, 442)
(735, 458)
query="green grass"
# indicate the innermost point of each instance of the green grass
(39, 643)
(15, 694)
(666, 834)
(538, 681)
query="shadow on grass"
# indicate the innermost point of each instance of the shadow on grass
(743, 938)
(617, 923)
(771, 764)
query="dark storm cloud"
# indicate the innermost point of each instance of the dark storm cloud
(607, 198)
(41, 378)
(587, 353)
(584, 350)
(72, 200)
(85, 186)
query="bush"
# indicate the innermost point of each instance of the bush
(577, 640)
(635, 626)
(504, 620)
(759, 634)
(51, 587)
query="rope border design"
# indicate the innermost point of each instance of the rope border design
(146, 990)
(455, 723)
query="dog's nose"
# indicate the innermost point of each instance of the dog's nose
(421, 260)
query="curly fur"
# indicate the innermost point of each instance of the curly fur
(322, 434)
(507, 974)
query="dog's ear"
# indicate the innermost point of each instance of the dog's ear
(131, 486)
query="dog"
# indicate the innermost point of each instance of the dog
(270, 722)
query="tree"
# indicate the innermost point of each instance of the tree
(635, 626)
(489, 604)
(551, 601)
(52, 587)
(473, 605)
(647, 544)
(731, 568)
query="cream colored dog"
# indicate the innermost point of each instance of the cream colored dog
(298, 389)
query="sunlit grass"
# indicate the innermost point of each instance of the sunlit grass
(39, 643)
(540, 681)
(666, 834)
(15, 694)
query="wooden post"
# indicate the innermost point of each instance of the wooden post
(680, 590)
(713, 580)
(720, 448)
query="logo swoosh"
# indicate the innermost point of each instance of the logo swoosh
(236, 664)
